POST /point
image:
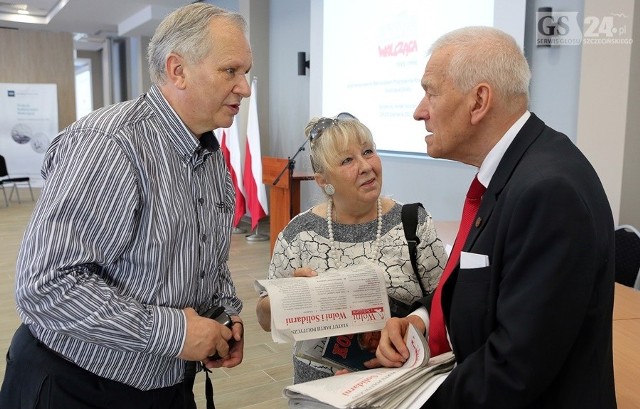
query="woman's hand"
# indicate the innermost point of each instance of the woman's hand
(263, 306)
(304, 272)
(263, 312)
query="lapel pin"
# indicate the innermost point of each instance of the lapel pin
(478, 222)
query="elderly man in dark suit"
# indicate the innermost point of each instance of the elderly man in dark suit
(526, 302)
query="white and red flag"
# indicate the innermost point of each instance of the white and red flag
(230, 145)
(254, 188)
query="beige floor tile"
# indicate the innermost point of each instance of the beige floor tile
(251, 396)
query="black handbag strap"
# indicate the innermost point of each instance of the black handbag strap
(409, 216)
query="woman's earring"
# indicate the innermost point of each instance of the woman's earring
(329, 189)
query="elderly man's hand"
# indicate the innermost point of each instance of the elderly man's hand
(392, 351)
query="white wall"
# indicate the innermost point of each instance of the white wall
(630, 195)
(603, 104)
(289, 92)
(555, 71)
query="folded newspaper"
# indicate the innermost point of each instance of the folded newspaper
(338, 302)
(407, 387)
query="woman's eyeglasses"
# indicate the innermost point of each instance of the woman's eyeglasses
(324, 123)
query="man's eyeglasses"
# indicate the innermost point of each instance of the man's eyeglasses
(324, 123)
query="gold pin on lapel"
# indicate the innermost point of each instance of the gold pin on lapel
(478, 222)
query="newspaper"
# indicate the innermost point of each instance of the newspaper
(407, 387)
(337, 302)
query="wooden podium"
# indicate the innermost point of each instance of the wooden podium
(284, 201)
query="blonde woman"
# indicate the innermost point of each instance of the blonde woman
(353, 225)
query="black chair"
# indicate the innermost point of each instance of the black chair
(5, 179)
(6, 202)
(628, 256)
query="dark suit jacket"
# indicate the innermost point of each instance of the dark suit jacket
(533, 330)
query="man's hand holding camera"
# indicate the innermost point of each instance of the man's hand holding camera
(216, 343)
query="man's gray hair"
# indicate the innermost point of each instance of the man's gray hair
(486, 54)
(185, 32)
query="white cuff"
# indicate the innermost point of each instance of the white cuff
(424, 315)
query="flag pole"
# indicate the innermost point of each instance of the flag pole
(257, 236)
(238, 230)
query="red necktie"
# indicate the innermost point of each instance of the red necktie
(438, 343)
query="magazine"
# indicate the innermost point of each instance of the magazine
(351, 351)
(348, 351)
(406, 387)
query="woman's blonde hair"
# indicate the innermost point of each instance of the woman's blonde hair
(330, 136)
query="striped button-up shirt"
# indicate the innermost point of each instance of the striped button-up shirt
(133, 225)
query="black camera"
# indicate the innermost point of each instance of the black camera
(219, 314)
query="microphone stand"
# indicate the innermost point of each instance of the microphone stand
(291, 164)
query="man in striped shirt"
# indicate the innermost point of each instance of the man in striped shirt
(129, 241)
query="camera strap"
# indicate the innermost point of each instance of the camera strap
(208, 389)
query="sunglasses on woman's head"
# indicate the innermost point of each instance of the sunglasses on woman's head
(324, 123)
